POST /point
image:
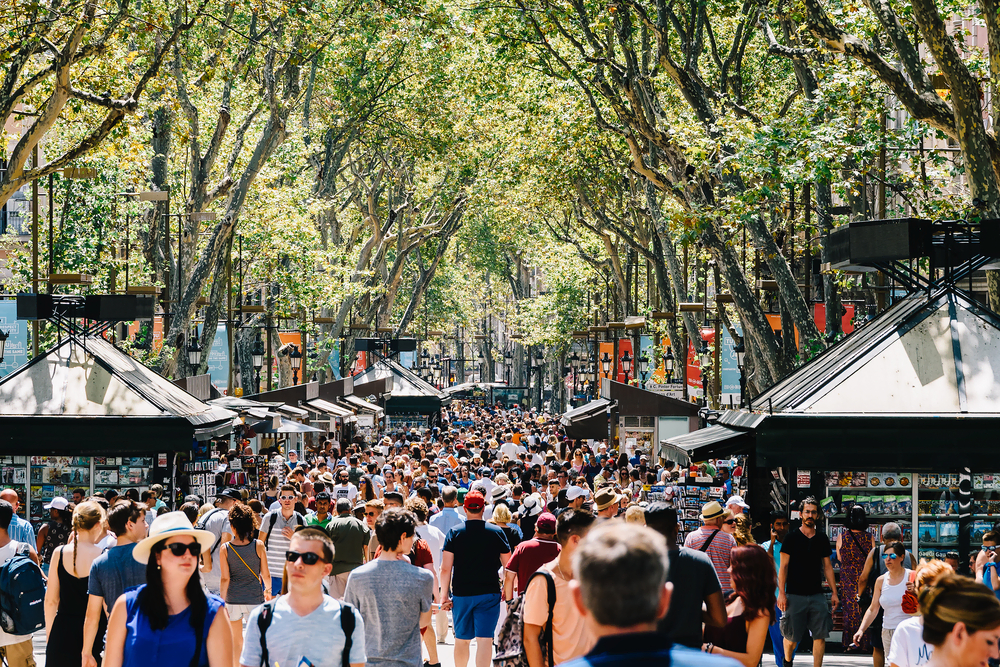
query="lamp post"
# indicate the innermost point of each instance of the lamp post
(257, 355)
(705, 358)
(668, 365)
(740, 351)
(606, 364)
(3, 342)
(627, 364)
(194, 351)
(574, 363)
(539, 364)
(482, 362)
(643, 367)
(295, 357)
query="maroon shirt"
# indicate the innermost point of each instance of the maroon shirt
(529, 556)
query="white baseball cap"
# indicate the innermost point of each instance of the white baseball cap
(737, 500)
(574, 492)
(58, 503)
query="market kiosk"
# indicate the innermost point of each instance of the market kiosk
(86, 415)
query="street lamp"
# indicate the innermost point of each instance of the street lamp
(643, 366)
(705, 358)
(668, 365)
(740, 351)
(3, 342)
(257, 356)
(627, 364)
(296, 358)
(606, 363)
(194, 351)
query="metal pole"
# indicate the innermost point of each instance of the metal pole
(34, 248)
(229, 312)
(51, 218)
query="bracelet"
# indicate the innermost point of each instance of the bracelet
(708, 647)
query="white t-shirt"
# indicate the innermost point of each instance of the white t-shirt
(509, 449)
(348, 491)
(435, 540)
(908, 647)
(6, 553)
(314, 639)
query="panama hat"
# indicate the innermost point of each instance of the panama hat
(713, 510)
(170, 525)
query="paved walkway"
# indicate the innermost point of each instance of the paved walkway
(446, 656)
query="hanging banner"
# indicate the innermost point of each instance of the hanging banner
(334, 360)
(407, 359)
(218, 359)
(730, 369)
(647, 346)
(16, 348)
(295, 338)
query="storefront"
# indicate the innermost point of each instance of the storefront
(85, 415)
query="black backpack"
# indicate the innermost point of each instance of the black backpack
(203, 523)
(22, 594)
(270, 525)
(266, 616)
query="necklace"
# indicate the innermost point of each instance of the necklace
(562, 571)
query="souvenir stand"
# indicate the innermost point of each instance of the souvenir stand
(408, 400)
(900, 417)
(86, 415)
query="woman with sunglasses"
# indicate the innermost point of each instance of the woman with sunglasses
(169, 620)
(888, 596)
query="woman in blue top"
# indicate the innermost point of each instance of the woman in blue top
(169, 620)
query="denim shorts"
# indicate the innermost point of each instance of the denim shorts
(475, 615)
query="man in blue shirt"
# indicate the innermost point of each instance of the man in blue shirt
(621, 589)
(19, 529)
(448, 517)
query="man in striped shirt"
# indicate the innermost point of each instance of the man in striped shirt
(19, 530)
(715, 542)
(276, 529)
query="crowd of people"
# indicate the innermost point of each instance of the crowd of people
(517, 542)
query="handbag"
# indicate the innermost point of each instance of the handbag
(910, 603)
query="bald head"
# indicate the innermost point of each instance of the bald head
(10, 495)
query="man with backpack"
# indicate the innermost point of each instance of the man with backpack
(563, 623)
(712, 540)
(305, 626)
(276, 529)
(216, 521)
(22, 619)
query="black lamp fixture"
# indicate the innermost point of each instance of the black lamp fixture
(295, 357)
(705, 358)
(643, 365)
(574, 361)
(668, 364)
(627, 364)
(539, 358)
(3, 342)
(194, 350)
(740, 351)
(606, 363)
(257, 357)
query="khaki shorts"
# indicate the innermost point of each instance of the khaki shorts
(238, 612)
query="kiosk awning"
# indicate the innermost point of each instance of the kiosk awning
(584, 411)
(327, 408)
(708, 443)
(362, 404)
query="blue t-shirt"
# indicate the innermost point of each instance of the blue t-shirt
(173, 645)
(988, 579)
(114, 572)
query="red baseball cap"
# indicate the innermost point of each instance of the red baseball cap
(474, 501)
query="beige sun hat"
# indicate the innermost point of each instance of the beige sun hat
(170, 525)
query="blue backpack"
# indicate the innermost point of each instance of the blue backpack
(22, 594)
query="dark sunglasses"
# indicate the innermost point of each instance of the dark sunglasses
(309, 558)
(370, 514)
(729, 522)
(178, 548)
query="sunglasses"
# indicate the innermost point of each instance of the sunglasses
(989, 548)
(309, 558)
(729, 522)
(286, 498)
(891, 556)
(179, 548)
(370, 514)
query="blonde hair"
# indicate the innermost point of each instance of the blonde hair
(953, 599)
(635, 514)
(928, 572)
(501, 514)
(204, 509)
(742, 532)
(86, 515)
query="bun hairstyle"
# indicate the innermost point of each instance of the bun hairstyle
(954, 599)
(86, 515)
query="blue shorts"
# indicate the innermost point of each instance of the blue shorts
(475, 615)
(275, 586)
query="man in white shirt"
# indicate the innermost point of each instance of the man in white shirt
(508, 448)
(343, 488)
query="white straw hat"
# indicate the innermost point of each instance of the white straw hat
(170, 525)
